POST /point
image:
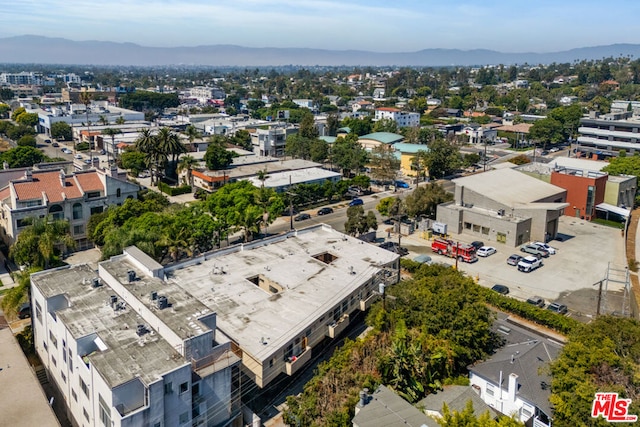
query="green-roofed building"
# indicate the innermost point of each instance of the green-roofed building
(407, 152)
(372, 140)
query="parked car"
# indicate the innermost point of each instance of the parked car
(325, 211)
(356, 202)
(546, 247)
(485, 251)
(302, 217)
(103, 152)
(501, 289)
(65, 150)
(423, 259)
(477, 244)
(24, 312)
(558, 308)
(514, 259)
(529, 263)
(394, 247)
(78, 156)
(144, 174)
(401, 184)
(535, 250)
(554, 150)
(47, 141)
(55, 144)
(536, 300)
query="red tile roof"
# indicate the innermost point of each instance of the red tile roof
(50, 184)
(395, 110)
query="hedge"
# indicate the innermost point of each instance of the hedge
(174, 191)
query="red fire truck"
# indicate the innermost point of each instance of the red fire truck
(464, 252)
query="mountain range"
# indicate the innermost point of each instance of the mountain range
(45, 50)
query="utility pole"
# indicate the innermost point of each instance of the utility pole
(599, 298)
(457, 247)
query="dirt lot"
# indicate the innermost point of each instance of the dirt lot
(571, 276)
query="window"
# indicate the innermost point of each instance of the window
(77, 211)
(44, 345)
(157, 425)
(93, 194)
(64, 377)
(168, 388)
(56, 212)
(84, 387)
(96, 210)
(526, 411)
(78, 229)
(74, 395)
(467, 226)
(105, 412)
(485, 230)
(54, 361)
(195, 389)
(476, 228)
(85, 413)
(25, 222)
(38, 312)
(70, 360)
(184, 387)
(118, 193)
(184, 418)
(490, 390)
(53, 339)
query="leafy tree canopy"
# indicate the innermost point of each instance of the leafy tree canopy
(24, 156)
(629, 165)
(217, 156)
(61, 131)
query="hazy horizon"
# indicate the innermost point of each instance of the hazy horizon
(369, 25)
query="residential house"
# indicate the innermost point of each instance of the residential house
(402, 118)
(456, 398)
(61, 195)
(384, 408)
(375, 139)
(408, 165)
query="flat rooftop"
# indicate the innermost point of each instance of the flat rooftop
(509, 187)
(251, 169)
(284, 179)
(127, 356)
(22, 400)
(260, 320)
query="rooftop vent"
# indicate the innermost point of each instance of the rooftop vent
(131, 275)
(95, 283)
(162, 302)
(141, 330)
(153, 295)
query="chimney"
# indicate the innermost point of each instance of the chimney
(27, 175)
(513, 387)
(364, 399)
(63, 178)
(462, 195)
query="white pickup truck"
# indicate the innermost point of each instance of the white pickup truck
(529, 263)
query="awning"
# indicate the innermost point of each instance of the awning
(614, 209)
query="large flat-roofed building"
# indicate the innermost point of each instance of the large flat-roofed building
(278, 298)
(609, 134)
(505, 206)
(126, 348)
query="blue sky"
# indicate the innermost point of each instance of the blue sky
(376, 25)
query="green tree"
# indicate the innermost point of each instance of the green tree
(27, 119)
(6, 94)
(169, 145)
(242, 138)
(39, 244)
(424, 200)
(112, 132)
(384, 163)
(308, 127)
(358, 223)
(61, 131)
(4, 110)
(27, 141)
(17, 112)
(384, 205)
(187, 164)
(217, 156)
(21, 157)
(147, 144)
(442, 159)
(629, 165)
(133, 160)
(547, 130)
(348, 154)
(385, 125)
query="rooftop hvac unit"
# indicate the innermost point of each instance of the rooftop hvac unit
(95, 282)
(162, 302)
(114, 300)
(131, 275)
(154, 295)
(501, 212)
(141, 330)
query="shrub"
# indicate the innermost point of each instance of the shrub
(174, 191)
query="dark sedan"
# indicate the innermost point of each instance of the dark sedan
(325, 211)
(302, 217)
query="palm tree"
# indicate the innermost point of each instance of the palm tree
(192, 133)
(262, 176)
(120, 120)
(103, 120)
(85, 98)
(187, 163)
(147, 144)
(169, 144)
(112, 132)
(37, 244)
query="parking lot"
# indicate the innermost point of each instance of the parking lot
(571, 276)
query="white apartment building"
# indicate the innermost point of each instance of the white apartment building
(608, 134)
(72, 196)
(127, 349)
(22, 78)
(272, 141)
(402, 118)
(204, 93)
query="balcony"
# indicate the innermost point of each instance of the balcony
(337, 327)
(366, 303)
(296, 362)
